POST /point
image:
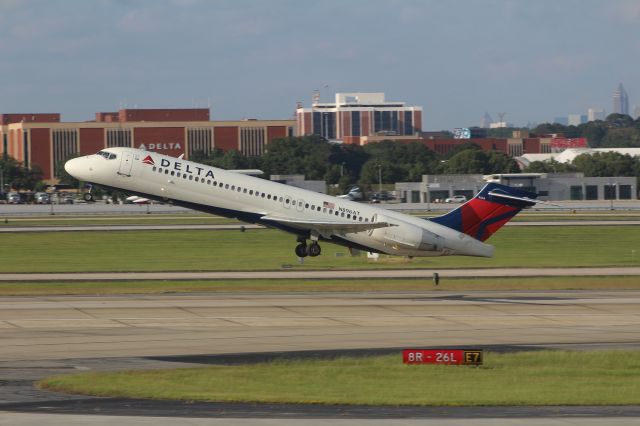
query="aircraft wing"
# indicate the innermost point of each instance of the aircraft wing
(327, 228)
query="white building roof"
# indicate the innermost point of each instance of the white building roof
(568, 155)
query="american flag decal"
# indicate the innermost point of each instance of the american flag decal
(328, 205)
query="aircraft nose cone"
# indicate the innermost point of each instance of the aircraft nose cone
(70, 166)
(74, 168)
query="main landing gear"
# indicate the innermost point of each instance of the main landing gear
(304, 250)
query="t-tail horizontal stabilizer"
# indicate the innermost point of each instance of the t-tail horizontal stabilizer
(488, 211)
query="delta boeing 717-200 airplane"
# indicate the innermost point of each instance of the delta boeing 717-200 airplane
(311, 216)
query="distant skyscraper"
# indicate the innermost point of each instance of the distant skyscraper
(486, 121)
(594, 114)
(620, 101)
(576, 119)
(561, 120)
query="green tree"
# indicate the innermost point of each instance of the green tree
(498, 162)
(606, 164)
(307, 155)
(594, 132)
(622, 137)
(551, 166)
(463, 147)
(390, 172)
(16, 176)
(476, 161)
(549, 128)
(619, 120)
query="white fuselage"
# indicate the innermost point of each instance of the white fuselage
(248, 198)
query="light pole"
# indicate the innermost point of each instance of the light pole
(612, 193)
(51, 199)
(342, 169)
(428, 193)
(380, 179)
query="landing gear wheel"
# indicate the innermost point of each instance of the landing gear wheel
(301, 250)
(88, 197)
(314, 250)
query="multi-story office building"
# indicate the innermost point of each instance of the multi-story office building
(43, 140)
(356, 115)
(620, 101)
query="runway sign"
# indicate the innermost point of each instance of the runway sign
(442, 356)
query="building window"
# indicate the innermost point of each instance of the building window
(625, 192)
(609, 192)
(386, 122)
(119, 137)
(591, 192)
(408, 123)
(355, 123)
(199, 140)
(65, 145)
(317, 123)
(252, 141)
(576, 192)
(25, 148)
(515, 149)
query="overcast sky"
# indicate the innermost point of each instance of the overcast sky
(534, 60)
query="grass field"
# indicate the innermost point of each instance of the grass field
(525, 378)
(290, 286)
(269, 249)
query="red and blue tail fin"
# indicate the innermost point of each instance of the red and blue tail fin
(485, 213)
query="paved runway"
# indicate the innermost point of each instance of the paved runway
(60, 327)
(49, 335)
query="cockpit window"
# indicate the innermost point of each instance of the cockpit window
(107, 155)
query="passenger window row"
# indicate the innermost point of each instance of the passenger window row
(203, 180)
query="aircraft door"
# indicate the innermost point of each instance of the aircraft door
(374, 219)
(126, 163)
(300, 205)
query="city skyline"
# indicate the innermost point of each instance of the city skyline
(249, 59)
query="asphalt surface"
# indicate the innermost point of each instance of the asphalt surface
(43, 336)
(426, 274)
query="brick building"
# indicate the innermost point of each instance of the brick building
(43, 140)
(514, 147)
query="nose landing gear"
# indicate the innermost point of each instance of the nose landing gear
(88, 196)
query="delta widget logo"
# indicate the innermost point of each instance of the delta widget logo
(148, 160)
